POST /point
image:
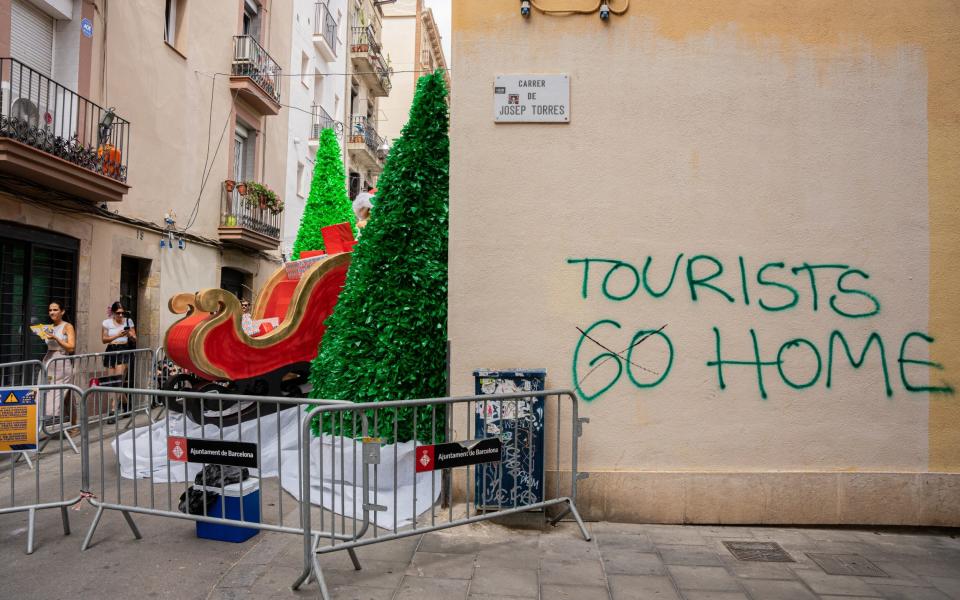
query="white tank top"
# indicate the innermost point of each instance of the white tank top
(113, 328)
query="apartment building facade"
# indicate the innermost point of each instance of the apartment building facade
(343, 76)
(412, 35)
(318, 93)
(731, 227)
(127, 130)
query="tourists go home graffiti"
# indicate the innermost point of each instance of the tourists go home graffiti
(772, 287)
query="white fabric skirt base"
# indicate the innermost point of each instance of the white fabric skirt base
(336, 484)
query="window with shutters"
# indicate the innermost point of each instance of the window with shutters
(175, 11)
(36, 267)
(31, 37)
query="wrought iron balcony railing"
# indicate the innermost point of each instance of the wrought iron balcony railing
(362, 130)
(325, 25)
(237, 211)
(320, 120)
(251, 60)
(364, 40)
(39, 112)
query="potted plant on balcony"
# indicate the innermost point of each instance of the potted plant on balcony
(361, 44)
(259, 195)
(229, 184)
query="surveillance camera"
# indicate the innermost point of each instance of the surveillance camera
(524, 8)
(604, 11)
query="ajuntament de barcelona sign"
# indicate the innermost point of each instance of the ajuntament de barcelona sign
(531, 99)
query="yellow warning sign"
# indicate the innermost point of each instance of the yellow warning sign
(18, 421)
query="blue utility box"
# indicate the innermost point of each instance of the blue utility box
(518, 478)
(230, 504)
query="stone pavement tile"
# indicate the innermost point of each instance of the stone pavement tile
(422, 588)
(269, 547)
(899, 592)
(374, 574)
(505, 582)
(778, 590)
(640, 587)
(704, 578)
(898, 575)
(345, 592)
(510, 556)
(623, 541)
(832, 535)
(393, 551)
(948, 585)
(675, 535)
(725, 532)
(573, 592)
(242, 576)
(442, 565)
(759, 570)
(607, 527)
(700, 595)
(571, 572)
(781, 536)
(849, 598)
(633, 563)
(931, 567)
(447, 543)
(689, 555)
(563, 547)
(840, 585)
(473, 596)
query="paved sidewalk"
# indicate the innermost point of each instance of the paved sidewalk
(479, 562)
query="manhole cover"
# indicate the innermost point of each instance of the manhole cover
(758, 551)
(846, 564)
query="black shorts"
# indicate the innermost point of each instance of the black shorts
(112, 360)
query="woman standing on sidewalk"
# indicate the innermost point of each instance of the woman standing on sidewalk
(117, 333)
(61, 342)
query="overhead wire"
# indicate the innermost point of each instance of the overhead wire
(560, 12)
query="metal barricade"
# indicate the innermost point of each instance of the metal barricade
(56, 475)
(460, 436)
(132, 472)
(21, 373)
(126, 368)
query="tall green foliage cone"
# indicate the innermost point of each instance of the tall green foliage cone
(386, 338)
(328, 203)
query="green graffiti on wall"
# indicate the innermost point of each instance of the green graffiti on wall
(777, 287)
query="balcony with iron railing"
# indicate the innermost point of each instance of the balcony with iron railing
(366, 55)
(364, 144)
(325, 32)
(246, 223)
(255, 75)
(320, 120)
(55, 138)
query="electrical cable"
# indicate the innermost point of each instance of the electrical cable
(203, 185)
(579, 11)
(206, 158)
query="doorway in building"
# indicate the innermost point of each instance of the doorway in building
(236, 282)
(354, 185)
(133, 275)
(36, 267)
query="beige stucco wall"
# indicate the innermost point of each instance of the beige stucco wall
(399, 38)
(738, 136)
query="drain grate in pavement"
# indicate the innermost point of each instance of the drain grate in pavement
(758, 551)
(846, 564)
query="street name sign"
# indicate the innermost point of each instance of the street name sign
(531, 99)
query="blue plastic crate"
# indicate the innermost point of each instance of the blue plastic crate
(230, 503)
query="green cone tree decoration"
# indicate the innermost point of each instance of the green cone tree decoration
(386, 339)
(328, 203)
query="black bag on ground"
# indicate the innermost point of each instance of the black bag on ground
(192, 501)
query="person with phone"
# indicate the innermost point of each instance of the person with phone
(119, 334)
